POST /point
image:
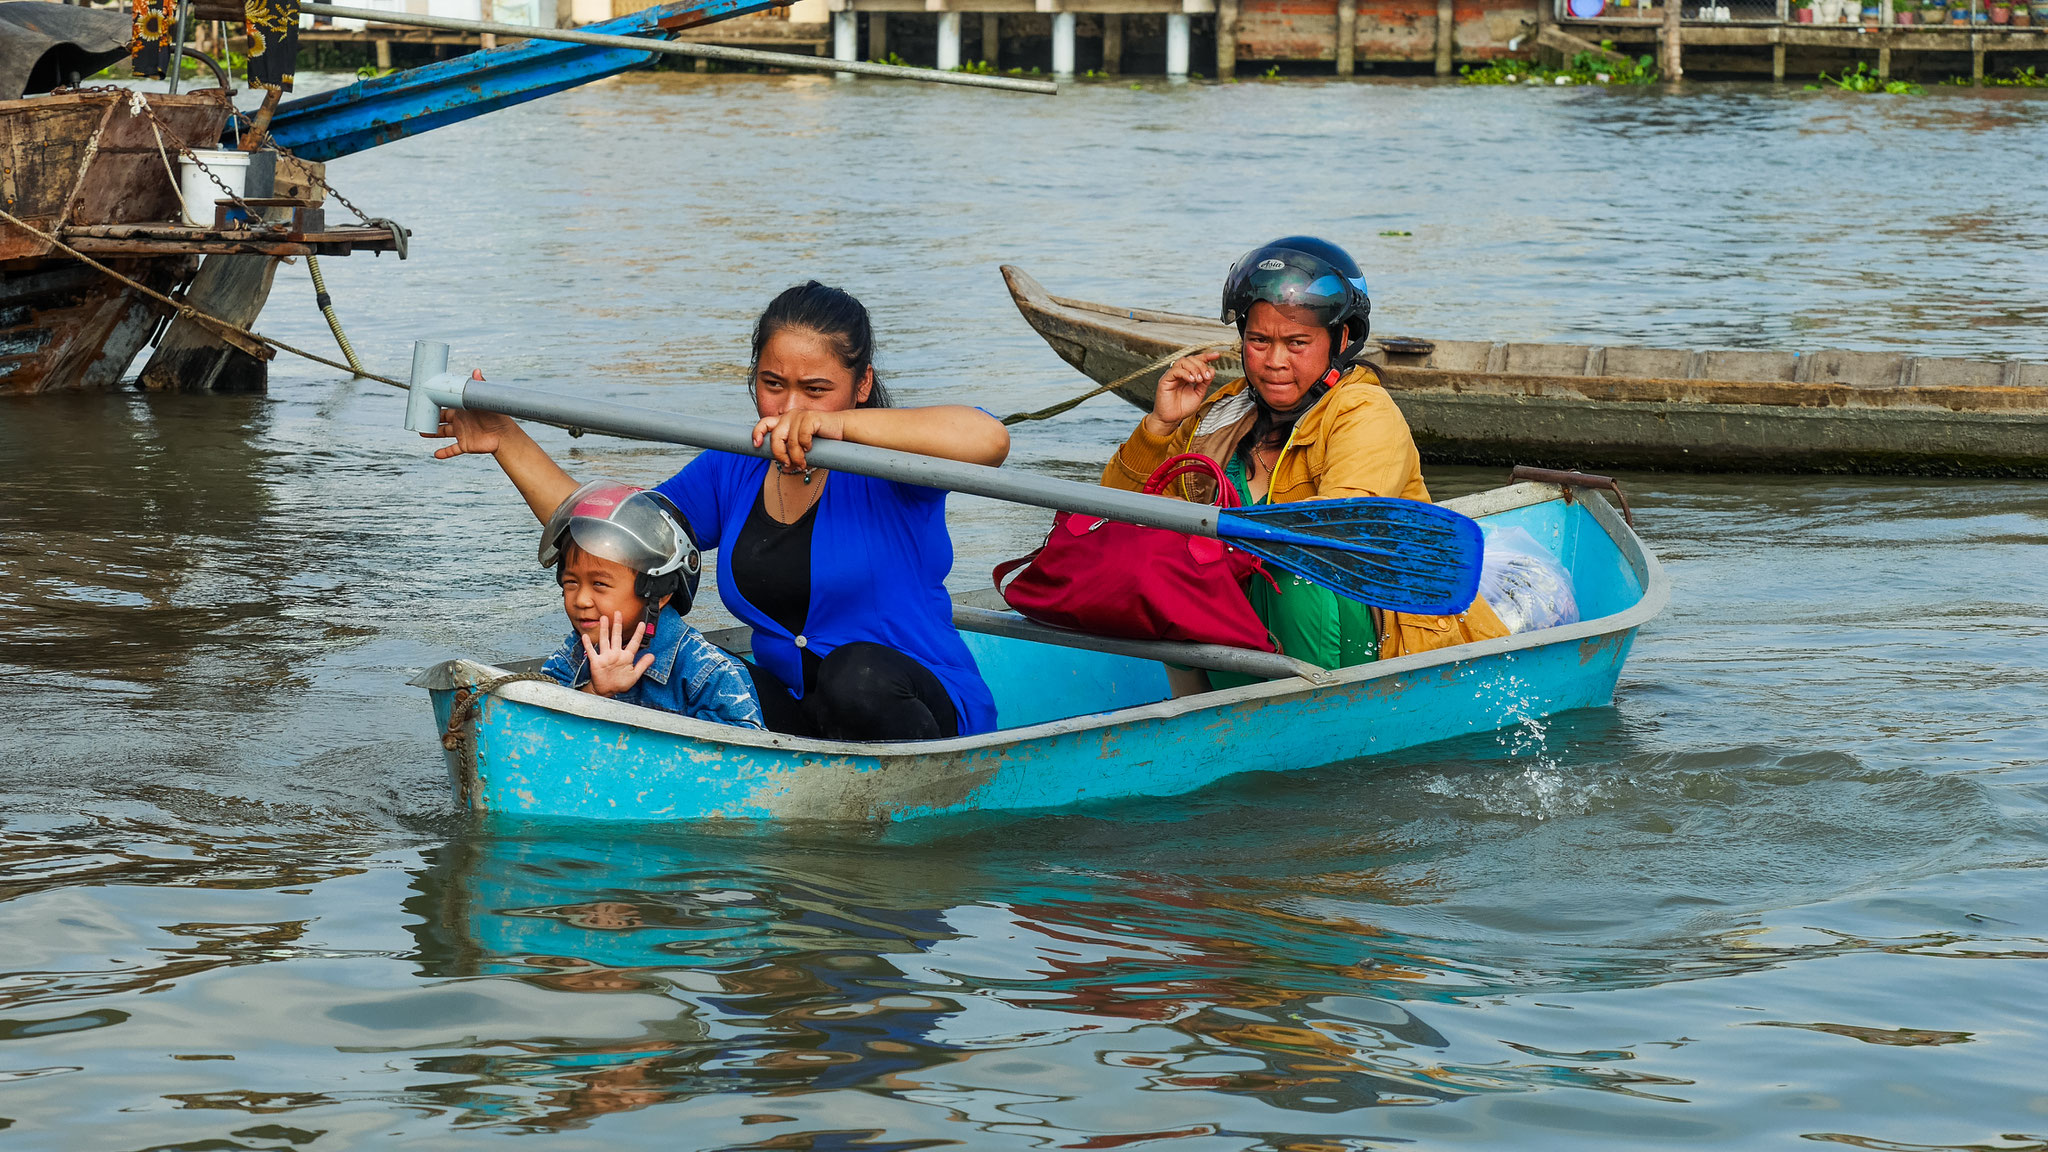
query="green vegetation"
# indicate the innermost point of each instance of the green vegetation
(977, 68)
(1396, 232)
(2020, 78)
(371, 72)
(1584, 68)
(1862, 78)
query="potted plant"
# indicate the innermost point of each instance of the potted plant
(1959, 13)
(2000, 14)
(1802, 11)
(1902, 11)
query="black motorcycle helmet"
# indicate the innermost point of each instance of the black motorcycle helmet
(1305, 272)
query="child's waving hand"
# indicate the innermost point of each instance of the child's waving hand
(613, 668)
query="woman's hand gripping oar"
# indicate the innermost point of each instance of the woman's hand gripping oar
(1402, 555)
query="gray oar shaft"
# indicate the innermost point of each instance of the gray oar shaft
(904, 467)
(676, 48)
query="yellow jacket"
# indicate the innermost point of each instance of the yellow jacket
(1354, 442)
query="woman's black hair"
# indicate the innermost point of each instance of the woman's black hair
(832, 314)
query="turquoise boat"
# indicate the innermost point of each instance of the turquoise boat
(1084, 719)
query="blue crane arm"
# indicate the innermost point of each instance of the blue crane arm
(378, 111)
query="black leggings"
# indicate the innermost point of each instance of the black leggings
(861, 691)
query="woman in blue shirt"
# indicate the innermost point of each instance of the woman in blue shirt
(841, 577)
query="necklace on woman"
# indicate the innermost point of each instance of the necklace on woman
(782, 505)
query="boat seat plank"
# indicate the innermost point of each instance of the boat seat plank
(1750, 367)
(1855, 369)
(1547, 359)
(1212, 657)
(1650, 363)
(1460, 356)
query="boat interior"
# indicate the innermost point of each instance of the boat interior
(1040, 674)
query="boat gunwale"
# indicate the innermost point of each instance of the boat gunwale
(1650, 575)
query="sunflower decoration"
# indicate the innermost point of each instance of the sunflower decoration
(151, 46)
(273, 42)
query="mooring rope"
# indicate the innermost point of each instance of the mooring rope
(1113, 385)
(466, 698)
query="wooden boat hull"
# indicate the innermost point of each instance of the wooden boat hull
(1575, 406)
(82, 160)
(1080, 726)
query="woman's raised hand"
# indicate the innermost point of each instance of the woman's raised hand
(1181, 391)
(474, 433)
(789, 434)
(613, 668)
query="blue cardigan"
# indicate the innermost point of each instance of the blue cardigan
(880, 553)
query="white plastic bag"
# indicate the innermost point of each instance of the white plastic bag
(1524, 584)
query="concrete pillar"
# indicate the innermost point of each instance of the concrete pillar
(1446, 32)
(991, 39)
(878, 35)
(1884, 65)
(949, 41)
(1226, 39)
(1673, 62)
(383, 52)
(1112, 43)
(1778, 62)
(1976, 56)
(1177, 45)
(1347, 36)
(1063, 43)
(845, 36)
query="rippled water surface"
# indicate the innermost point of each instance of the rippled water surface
(1788, 889)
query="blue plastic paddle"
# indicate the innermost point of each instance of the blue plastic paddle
(1403, 555)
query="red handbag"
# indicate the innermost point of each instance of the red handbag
(1108, 578)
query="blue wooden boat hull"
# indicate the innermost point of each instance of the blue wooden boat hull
(1078, 725)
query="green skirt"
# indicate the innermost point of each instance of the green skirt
(1311, 623)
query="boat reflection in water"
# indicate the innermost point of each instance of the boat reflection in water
(923, 983)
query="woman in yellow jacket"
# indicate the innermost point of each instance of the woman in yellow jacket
(1308, 422)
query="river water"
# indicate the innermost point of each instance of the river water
(1789, 889)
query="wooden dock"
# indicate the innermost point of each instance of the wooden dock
(1188, 38)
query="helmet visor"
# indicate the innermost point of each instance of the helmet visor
(620, 523)
(1293, 280)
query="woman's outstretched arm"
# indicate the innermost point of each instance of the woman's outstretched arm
(539, 479)
(948, 431)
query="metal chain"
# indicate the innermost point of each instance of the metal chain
(138, 106)
(399, 233)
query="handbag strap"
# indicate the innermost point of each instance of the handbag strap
(1186, 462)
(1007, 567)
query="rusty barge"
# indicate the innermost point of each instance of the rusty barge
(1582, 406)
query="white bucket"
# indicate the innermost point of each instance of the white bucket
(200, 192)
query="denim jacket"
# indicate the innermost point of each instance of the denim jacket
(690, 675)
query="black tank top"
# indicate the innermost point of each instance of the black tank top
(771, 565)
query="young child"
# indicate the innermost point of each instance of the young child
(628, 567)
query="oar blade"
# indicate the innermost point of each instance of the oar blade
(1402, 555)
